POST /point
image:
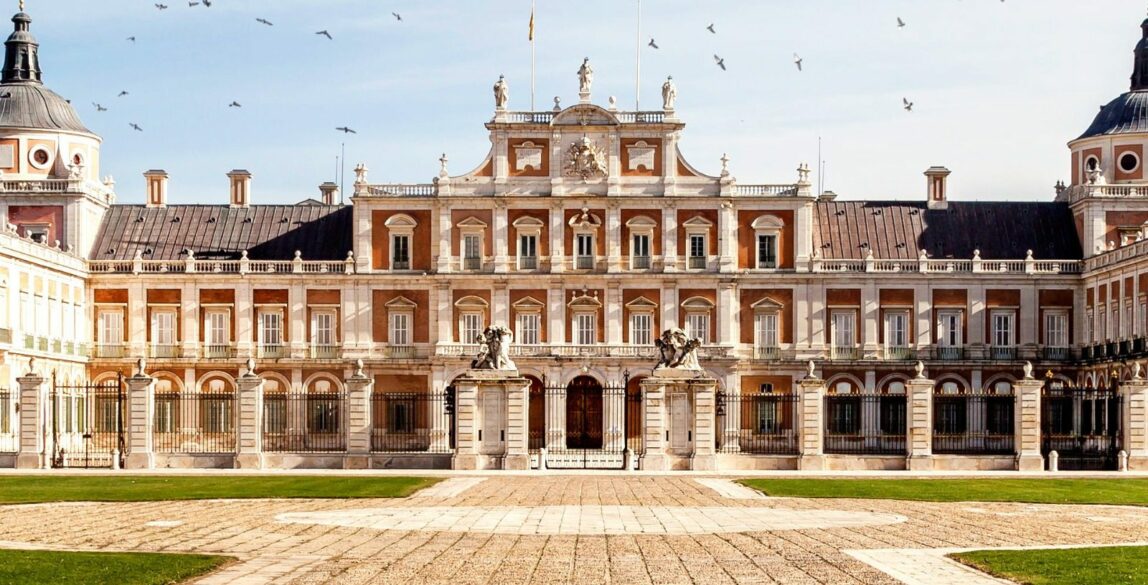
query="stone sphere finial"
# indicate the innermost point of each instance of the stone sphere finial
(141, 367)
(359, 369)
(920, 369)
(250, 367)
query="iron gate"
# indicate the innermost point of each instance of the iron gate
(1083, 425)
(595, 425)
(88, 424)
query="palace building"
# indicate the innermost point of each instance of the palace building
(328, 335)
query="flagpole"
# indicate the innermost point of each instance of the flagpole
(638, 60)
(532, 60)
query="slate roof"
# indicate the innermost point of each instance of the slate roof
(1127, 114)
(901, 229)
(34, 106)
(267, 232)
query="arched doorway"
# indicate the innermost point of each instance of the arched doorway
(584, 414)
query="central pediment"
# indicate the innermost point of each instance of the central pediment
(585, 115)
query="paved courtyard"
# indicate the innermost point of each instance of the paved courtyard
(573, 529)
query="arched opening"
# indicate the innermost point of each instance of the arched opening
(584, 413)
(537, 410)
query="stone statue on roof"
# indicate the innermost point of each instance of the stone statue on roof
(585, 77)
(501, 93)
(669, 93)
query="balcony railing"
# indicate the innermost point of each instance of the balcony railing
(472, 263)
(109, 350)
(1056, 353)
(325, 351)
(402, 352)
(845, 353)
(767, 353)
(272, 351)
(164, 351)
(999, 352)
(218, 351)
(401, 265)
(899, 352)
(640, 263)
(950, 353)
(528, 262)
(696, 262)
(584, 262)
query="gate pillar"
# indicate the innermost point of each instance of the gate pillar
(920, 405)
(34, 421)
(812, 423)
(250, 387)
(654, 456)
(491, 420)
(1028, 455)
(1135, 424)
(705, 424)
(140, 420)
(359, 389)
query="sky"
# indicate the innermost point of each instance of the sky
(999, 87)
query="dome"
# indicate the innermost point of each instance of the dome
(1127, 114)
(33, 106)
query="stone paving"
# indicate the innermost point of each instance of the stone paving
(616, 529)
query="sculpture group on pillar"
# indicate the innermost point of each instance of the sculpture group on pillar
(677, 351)
(494, 350)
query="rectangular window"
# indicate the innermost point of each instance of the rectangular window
(111, 327)
(400, 329)
(641, 252)
(767, 251)
(584, 248)
(1101, 328)
(1113, 321)
(401, 252)
(216, 330)
(1056, 329)
(641, 329)
(1089, 326)
(585, 325)
(163, 328)
(766, 334)
(271, 333)
(529, 325)
(896, 329)
(697, 251)
(323, 328)
(470, 327)
(472, 252)
(844, 335)
(528, 252)
(949, 329)
(1141, 320)
(1126, 322)
(698, 326)
(1003, 334)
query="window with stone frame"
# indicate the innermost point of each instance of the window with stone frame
(1056, 328)
(529, 232)
(767, 234)
(472, 313)
(164, 342)
(584, 311)
(585, 227)
(698, 313)
(110, 331)
(270, 335)
(641, 230)
(400, 321)
(528, 321)
(472, 232)
(1002, 331)
(697, 242)
(401, 228)
(641, 313)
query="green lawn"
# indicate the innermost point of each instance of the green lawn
(1117, 565)
(136, 488)
(1037, 491)
(27, 567)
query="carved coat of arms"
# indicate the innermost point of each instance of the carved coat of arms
(585, 159)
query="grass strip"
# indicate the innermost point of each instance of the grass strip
(1115, 491)
(36, 567)
(1115, 565)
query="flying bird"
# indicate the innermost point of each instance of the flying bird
(711, 28)
(397, 16)
(652, 43)
(264, 21)
(797, 61)
(345, 130)
(190, 3)
(122, 94)
(900, 23)
(720, 62)
(234, 105)
(132, 39)
(161, 6)
(326, 34)
(99, 108)
(207, 3)
(135, 127)
(908, 104)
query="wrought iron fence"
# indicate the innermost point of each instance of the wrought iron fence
(974, 424)
(764, 424)
(194, 422)
(87, 424)
(1083, 425)
(865, 424)
(9, 433)
(415, 422)
(304, 422)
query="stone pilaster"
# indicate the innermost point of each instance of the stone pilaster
(1028, 456)
(654, 404)
(705, 424)
(1135, 424)
(812, 393)
(517, 423)
(465, 424)
(919, 400)
(140, 420)
(33, 452)
(250, 453)
(359, 390)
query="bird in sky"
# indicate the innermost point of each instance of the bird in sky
(900, 23)
(797, 60)
(345, 130)
(234, 105)
(207, 3)
(264, 21)
(711, 28)
(652, 43)
(135, 127)
(132, 39)
(908, 104)
(161, 6)
(720, 62)
(99, 108)
(397, 16)
(122, 94)
(326, 34)
(190, 3)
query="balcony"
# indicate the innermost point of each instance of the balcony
(109, 350)
(219, 351)
(400, 264)
(1056, 353)
(1002, 353)
(768, 354)
(583, 262)
(640, 263)
(273, 351)
(472, 263)
(325, 352)
(844, 353)
(5, 335)
(696, 263)
(950, 353)
(528, 262)
(899, 353)
(164, 351)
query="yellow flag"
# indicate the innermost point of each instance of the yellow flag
(531, 37)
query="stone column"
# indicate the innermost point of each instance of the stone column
(557, 241)
(670, 239)
(919, 398)
(1028, 455)
(1135, 423)
(359, 390)
(140, 420)
(250, 388)
(517, 423)
(465, 424)
(34, 405)
(812, 424)
(705, 424)
(654, 404)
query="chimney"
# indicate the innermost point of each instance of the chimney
(329, 193)
(240, 188)
(938, 187)
(156, 188)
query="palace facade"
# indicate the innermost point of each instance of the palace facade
(587, 233)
